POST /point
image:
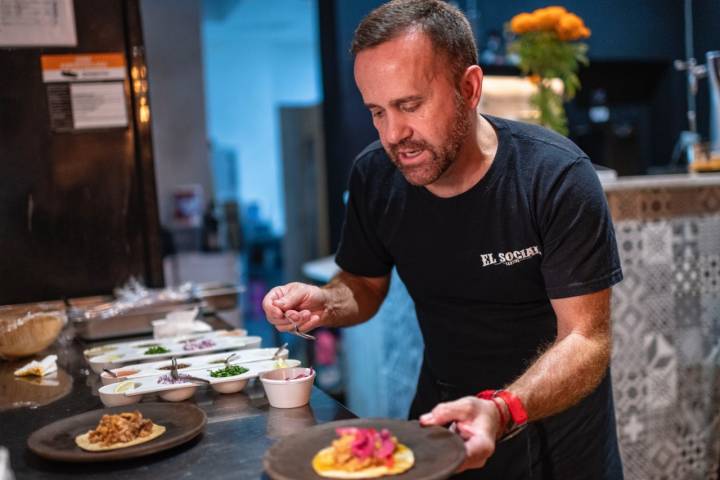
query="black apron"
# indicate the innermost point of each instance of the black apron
(579, 443)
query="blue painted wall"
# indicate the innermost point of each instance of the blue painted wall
(258, 56)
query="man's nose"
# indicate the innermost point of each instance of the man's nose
(396, 129)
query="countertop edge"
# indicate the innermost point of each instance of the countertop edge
(662, 181)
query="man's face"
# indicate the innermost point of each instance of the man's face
(421, 117)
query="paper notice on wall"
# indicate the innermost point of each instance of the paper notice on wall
(59, 107)
(37, 23)
(98, 105)
(91, 67)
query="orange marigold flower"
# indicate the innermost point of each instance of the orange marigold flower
(570, 27)
(522, 23)
(547, 18)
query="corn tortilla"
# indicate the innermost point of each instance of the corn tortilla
(83, 441)
(403, 461)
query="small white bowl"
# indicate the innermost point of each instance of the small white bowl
(236, 333)
(231, 386)
(101, 350)
(107, 379)
(178, 394)
(108, 361)
(241, 343)
(283, 390)
(110, 398)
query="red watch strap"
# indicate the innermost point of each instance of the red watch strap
(517, 410)
(490, 395)
(486, 394)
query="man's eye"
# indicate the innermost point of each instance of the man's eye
(410, 107)
(377, 113)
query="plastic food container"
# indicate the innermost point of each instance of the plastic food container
(288, 387)
(136, 306)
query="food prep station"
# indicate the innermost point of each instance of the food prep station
(241, 424)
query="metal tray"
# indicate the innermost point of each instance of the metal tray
(209, 297)
(218, 296)
(135, 322)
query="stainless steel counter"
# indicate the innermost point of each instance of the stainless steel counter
(689, 180)
(241, 427)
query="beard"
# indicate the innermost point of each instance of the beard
(441, 156)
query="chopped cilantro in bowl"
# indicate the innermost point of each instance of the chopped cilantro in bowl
(156, 349)
(229, 371)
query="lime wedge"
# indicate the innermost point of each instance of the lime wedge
(123, 387)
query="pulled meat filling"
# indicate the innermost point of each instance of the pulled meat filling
(358, 449)
(121, 428)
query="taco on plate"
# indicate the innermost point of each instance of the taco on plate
(363, 453)
(119, 431)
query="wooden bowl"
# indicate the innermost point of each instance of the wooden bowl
(26, 330)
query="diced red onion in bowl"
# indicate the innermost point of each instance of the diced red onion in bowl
(198, 344)
(167, 379)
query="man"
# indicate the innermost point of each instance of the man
(500, 232)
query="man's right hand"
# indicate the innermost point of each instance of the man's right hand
(304, 304)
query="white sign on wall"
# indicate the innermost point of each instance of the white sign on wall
(98, 105)
(37, 23)
(85, 91)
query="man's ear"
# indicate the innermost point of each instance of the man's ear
(471, 85)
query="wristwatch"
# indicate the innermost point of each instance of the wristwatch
(518, 415)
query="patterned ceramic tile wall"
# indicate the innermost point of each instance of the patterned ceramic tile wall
(666, 324)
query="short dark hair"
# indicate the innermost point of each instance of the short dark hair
(447, 27)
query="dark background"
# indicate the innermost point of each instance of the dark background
(632, 47)
(94, 218)
(92, 221)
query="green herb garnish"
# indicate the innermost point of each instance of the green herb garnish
(154, 350)
(229, 371)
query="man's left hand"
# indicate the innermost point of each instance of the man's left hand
(476, 421)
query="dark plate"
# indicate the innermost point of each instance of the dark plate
(183, 421)
(438, 452)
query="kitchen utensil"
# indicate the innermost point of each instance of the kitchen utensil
(230, 357)
(279, 350)
(297, 332)
(174, 374)
(713, 69)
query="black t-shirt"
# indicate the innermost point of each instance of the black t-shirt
(482, 267)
